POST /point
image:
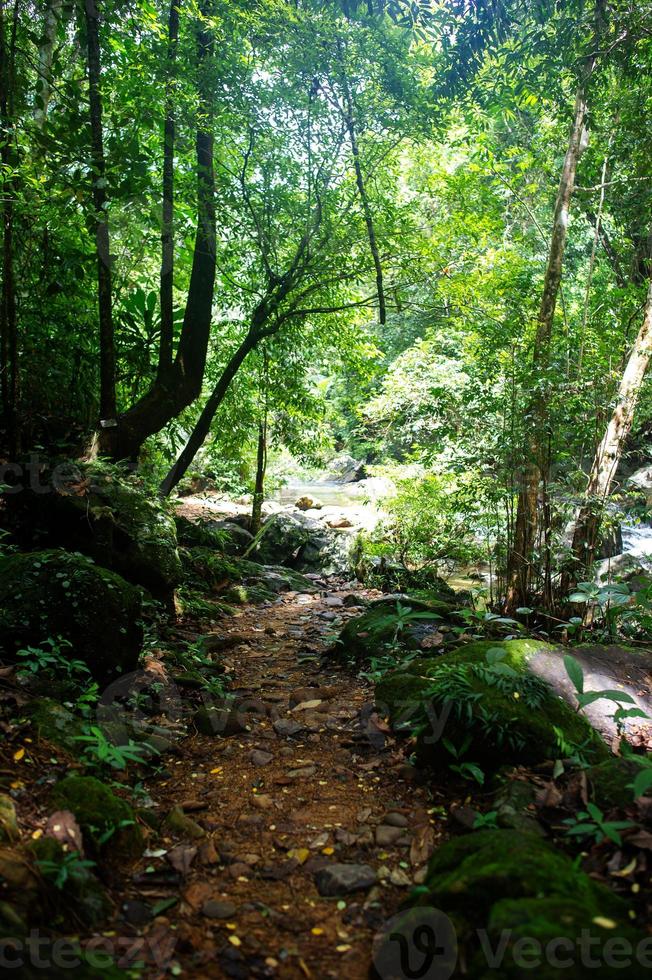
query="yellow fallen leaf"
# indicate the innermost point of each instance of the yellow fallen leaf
(37, 834)
(328, 850)
(235, 941)
(17, 784)
(343, 948)
(624, 872)
(231, 925)
(317, 931)
(600, 920)
(300, 854)
(18, 754)
(216, 770)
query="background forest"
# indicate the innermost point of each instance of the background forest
(325, 486)
(418, 233)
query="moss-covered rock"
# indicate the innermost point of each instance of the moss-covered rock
(9, 830)
(80, 896)
(226, 537)
(383, 626)
(52, 593)
(107, 821)
(54, 723)
(496, 880)
(506, 713)
(239, 580)
(610, 783)
(96, 511)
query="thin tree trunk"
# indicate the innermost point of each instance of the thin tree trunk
(261, 455)
(261, 469)
(53, 13)
(520, 565)
(202, 427)
(167, 232)
(8, 313)
(609, 452)
(362, 191)
(177, 387)
(102, 239)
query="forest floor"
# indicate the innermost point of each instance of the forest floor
(309, 779)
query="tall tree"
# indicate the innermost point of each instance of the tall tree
(586, 534)
(167, 233)
(101, 221)
(8, 158)
(178, 383)
(528, 524)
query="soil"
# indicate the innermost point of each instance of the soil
(278, 805)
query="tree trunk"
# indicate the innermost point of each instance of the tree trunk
(8, 313)
(609, 452)
(102, 240)
(167, 237)
(179, 385)
(53, 13)
(520, 565)
(362, 191)
(261, 469)
(203, 424)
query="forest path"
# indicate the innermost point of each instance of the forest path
(308, 781)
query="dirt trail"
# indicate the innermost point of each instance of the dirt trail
(315, 782)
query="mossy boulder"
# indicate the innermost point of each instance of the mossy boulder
(55, 594)
(283, 536)
(226, 537)
(504, 885)
(484, 693)
(54, 723)
(239, 580)
(105, 516)
(107, 821)
(80, 896)
(610, 783)
(384, 625)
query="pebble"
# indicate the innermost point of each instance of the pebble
(214, 909)
(341, 879)
(385, 836)
(260, 758)
(395, 820)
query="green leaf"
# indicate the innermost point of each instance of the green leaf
(575, 672)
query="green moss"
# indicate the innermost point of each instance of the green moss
(370, 634)
(54, 723)
(610, 783)
(81, 896)
(497, 880)
(509, 718)
(100, 813)
(53, 593)
(240, 580)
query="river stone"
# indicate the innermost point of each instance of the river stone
(341, 879)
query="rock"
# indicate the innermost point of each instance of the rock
(260, 758)
(455, 693)
(283, 535)
(9, 831)
(515, 885)
(286, 728)
(223, 536)
(54, 723)
(100, 814)
(213, 720)
(342, 879)
(327, 552)
(610, 783)
(263, 801)
(346, 469)
(366, 636)
(394, 819)
(56, 594)
(386, 835)
(215, 909)
(109, 519)
(137, 913)
(183, 826)
(308, 503)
